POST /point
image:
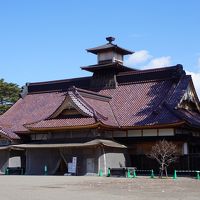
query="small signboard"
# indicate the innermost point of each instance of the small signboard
(72, 166)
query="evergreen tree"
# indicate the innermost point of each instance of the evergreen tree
(9, 94)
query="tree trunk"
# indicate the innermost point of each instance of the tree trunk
(166, 174)
(161, 170)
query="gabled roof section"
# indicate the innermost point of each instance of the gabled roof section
(190, 100)
(94, 110)
(76, 101)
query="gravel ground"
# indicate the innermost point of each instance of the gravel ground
(81, 188)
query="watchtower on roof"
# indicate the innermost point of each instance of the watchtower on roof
(109, 53)
(109, 63)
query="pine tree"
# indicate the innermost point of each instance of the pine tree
(9, 94)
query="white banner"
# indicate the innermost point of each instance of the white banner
(72, 166)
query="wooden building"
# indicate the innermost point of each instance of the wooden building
(110, 119)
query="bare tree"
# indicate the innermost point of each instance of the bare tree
(164, 153)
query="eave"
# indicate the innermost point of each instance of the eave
(172, 125)
(112, 66)
(61, 128)
(3, 134)
(109, 46)
(104, 126)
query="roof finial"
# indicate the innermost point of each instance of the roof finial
(110, 39)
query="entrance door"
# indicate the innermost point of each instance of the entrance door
(90, 165)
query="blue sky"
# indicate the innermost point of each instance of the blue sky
(46, 39)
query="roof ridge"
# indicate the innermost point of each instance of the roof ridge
(177, 85)
(58, 81)
(175, 67)
(173, 72)
(144, 81)
(173, 111)
(74, 98)
(114, 115)
(93, 93)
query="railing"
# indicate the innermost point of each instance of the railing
(188, 172)
(129, 172)
(132, 172)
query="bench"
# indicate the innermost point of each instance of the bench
(14, 171)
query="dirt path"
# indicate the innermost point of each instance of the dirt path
(90, 188)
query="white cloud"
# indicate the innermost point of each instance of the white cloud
(138, 58)
(159, 62)
(196, 81)
(148, 61)
(143, 57)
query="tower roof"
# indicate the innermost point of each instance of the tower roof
(117, 66)
(109, 46)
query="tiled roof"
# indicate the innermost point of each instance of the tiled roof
(8, 133)
(138, 104)
(30, 109)
(142, 98)
(192, 118)
(94, 111)
(105, 109)
(61, 123)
